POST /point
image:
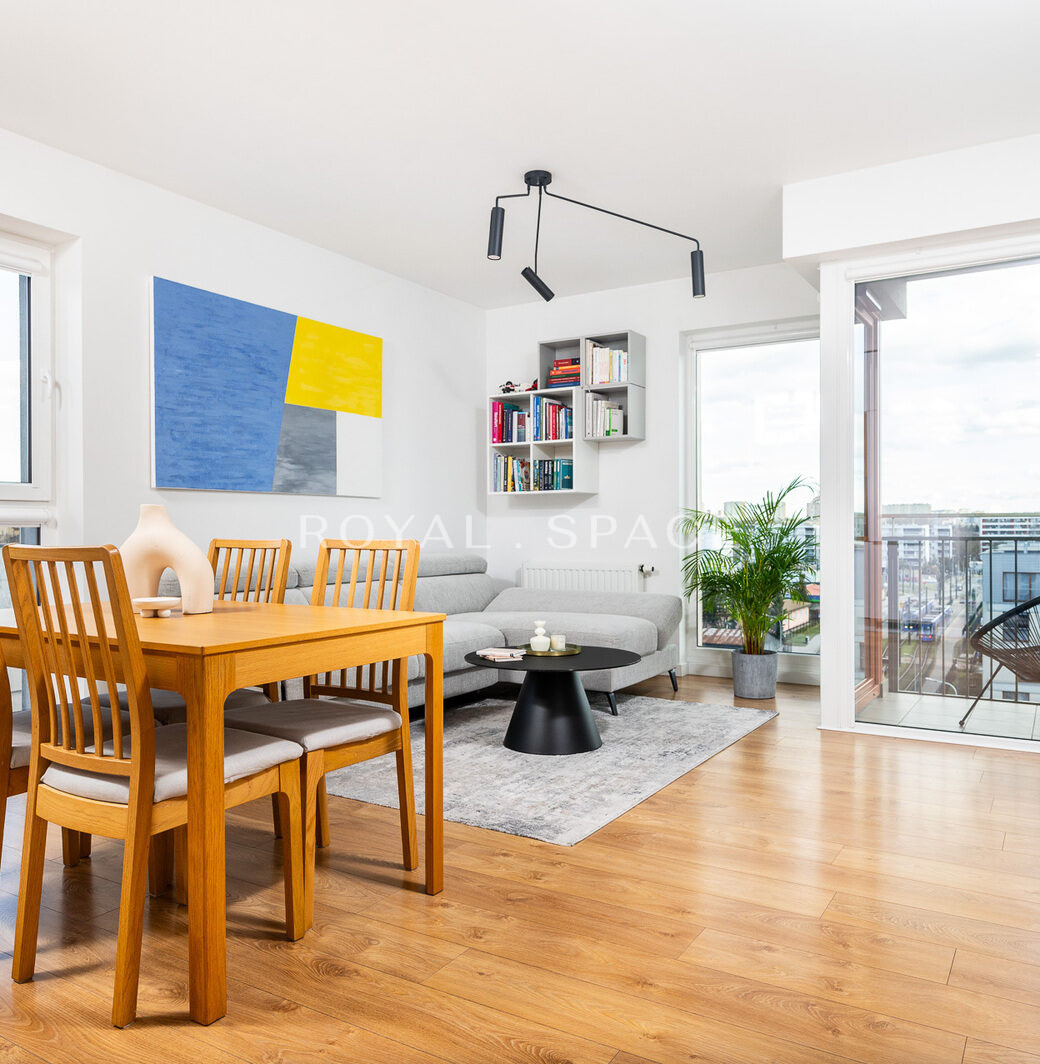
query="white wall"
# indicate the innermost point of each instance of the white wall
(989, 187)
(121, 232)
(635, 479)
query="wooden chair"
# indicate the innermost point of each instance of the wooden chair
(356, 726)
(270, 559)
(15, 747)
(134, 786)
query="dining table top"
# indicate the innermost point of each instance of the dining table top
(234, 626)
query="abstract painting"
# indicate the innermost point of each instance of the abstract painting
(252, 399)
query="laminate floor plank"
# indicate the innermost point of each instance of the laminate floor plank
(803, 897)
(805, 1019)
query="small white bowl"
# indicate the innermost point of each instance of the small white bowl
(155, 607)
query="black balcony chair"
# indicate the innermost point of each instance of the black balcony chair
(1013, 641)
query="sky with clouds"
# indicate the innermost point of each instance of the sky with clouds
(960, 401)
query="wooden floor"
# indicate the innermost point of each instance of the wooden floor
(802, 897)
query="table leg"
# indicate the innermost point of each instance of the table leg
(552, 716)
(209, 682)
(434, 729)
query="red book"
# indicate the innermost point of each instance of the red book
(496, 422)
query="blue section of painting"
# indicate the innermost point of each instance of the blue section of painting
(221, 367)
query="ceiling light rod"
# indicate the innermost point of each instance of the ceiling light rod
(541, 179)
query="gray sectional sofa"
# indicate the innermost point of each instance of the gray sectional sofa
(485, 612)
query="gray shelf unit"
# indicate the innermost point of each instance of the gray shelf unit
(582, 452)
(630, 395)
(583, 449)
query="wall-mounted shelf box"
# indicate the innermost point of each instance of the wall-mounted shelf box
(629, 394)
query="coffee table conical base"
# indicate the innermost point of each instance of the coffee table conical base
(552, 716)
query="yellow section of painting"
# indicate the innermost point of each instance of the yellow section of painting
(335, 369)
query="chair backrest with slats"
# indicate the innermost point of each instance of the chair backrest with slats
(76, 622)
(250, 570)
(373, 575)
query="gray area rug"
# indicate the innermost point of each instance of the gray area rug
(557, 799)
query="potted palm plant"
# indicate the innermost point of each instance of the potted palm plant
(760, 562)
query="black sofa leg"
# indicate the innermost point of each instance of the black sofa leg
(675, 682)
(613, 702)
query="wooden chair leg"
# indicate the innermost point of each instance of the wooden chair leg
(406, 800)
(131, 918)
(30, 891)
(69, 847)
(324, 836)
(3, 807)
(180, 865)
(312, 769)
(84, 844)
(276, 817)
(160, 864)
(291, 810)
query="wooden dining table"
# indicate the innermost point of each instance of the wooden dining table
(204, 657)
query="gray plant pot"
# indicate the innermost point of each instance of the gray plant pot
(754, 675)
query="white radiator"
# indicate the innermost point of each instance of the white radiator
(567, 576)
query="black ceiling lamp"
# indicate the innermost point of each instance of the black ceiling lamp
(541, 180)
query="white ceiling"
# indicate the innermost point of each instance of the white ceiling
(385, 129)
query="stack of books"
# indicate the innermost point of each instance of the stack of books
(552, 474)
(565, 373)
(606, 365)
(552, 420)
(508, 423)
(501, 653)
(602, 417)
(509, 473)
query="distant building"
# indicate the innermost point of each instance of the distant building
(1010, 576)
(1009, 525)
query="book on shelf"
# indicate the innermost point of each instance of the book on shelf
(606, 365)
(509, 473)
(552, 474)
(603, 417)
(552, 420)
(564, 373)
(508, 423)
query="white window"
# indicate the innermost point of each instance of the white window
(755, 407)
(26, 382)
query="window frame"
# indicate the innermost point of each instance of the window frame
(34, 261)
(709, 660)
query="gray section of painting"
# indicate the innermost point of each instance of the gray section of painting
(306, 462)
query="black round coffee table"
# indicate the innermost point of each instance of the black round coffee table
(552, 714)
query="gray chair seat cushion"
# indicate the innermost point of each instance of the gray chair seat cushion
(245, 753)
(461, 637)
(21, 734)
(317, 724)
(168, 707)
(595, 629)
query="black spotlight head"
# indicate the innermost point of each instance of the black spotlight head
(498, 222)
(697, 273)
(537, 283)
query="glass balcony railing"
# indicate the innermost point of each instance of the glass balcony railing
(936, 592)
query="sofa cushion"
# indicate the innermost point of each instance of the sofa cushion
(431, 563)
(664, 612)
(461, 593)
(460, 638)
(594, 629)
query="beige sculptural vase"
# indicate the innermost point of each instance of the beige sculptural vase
(157, 544)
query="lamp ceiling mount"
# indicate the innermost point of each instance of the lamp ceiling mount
(537, 178)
